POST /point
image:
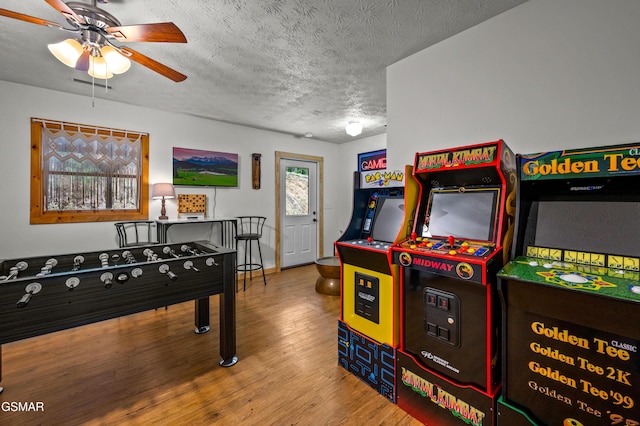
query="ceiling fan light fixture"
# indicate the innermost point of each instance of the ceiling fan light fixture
(117, 63)
(354, 128)
(67, 51)
(99, 68)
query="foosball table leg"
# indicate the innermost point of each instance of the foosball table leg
(1, 388)
(202, 315)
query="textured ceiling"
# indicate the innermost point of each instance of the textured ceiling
(291, 66)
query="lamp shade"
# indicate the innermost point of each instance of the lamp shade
(98, 68)
(67, 51)
(116, 62)
(162, 190)
(103, 64)
(354, 128)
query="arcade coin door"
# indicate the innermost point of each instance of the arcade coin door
(449, 334)
(571, 294)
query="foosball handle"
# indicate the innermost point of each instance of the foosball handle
(31, 289)
(24, 301)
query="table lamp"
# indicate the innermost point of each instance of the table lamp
(163, 190)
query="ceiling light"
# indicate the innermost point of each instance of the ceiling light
(105, 61)
(308, 135)
(68, 52)
(98, 68)
(354, 128)
(118, 64)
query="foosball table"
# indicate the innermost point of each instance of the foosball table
(41, 295)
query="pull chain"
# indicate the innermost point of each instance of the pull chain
(93, 92)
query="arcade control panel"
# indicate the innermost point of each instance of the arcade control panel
(582, 259)
(369, 244)
(449, 246)
(605, 274)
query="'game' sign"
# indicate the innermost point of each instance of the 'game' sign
(374, 160)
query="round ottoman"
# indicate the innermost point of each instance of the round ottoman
(329, 280)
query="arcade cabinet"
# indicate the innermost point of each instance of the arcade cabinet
(571, 294)
(368, 327)
(448, 370)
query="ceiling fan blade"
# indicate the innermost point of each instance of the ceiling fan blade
(27, 18)
(166, 32)
(84, 61)
(153, 65)
(66, 11)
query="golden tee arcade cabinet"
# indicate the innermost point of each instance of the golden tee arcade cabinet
(447, 361)
(571, 295)
(368, 327)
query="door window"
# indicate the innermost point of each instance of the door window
(297, 191)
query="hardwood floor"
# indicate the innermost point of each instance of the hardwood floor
(151, 368)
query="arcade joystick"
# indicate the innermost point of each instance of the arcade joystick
(452, 241)
(369, 240)
(414, 237)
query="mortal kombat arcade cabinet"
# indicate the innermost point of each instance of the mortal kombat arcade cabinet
(448, 370)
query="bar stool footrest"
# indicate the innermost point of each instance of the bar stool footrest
(247, 267)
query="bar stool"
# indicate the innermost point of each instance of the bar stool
(250, 230)
(135, 233)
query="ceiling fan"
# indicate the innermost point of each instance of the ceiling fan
(96, 30)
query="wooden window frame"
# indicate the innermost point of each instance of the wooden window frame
(38, 214)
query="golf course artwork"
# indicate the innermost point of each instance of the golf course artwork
(194, 167)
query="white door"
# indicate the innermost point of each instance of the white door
(298, 211)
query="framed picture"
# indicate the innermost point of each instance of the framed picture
(195, 167)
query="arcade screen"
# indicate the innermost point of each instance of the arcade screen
(468, 214)
(388, 220)
(602, 227)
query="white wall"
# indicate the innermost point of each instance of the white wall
(349, 164)
(543, 76)
(19, 103)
